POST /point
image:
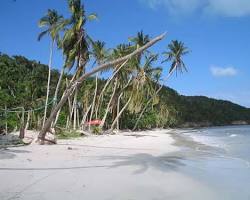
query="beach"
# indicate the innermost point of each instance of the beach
(159, 164)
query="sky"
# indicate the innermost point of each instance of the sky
(216, 31)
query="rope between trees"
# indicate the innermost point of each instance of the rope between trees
(20, 109)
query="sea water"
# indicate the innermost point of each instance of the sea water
(235, 140)
(225, 165)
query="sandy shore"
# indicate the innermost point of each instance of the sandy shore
(127, 166)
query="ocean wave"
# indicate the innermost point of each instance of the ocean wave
(233, 135)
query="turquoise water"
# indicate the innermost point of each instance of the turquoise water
(225, 165)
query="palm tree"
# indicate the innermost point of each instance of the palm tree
(52, 21)
(100, 54)
(120, 51)
(176, 50)
(75, 43)
(145, 81)
(140, 39)
(116, 70)
(120, 79)
(99, 51)
(142, 86)
(130, 86)
(72, 86)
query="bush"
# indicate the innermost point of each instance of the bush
(96, 130)
(68, 135)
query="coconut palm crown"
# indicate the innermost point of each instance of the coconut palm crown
(75, 42)
(176, 50)
(53, 23)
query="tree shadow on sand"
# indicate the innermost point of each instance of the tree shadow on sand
(10, 153)
(145, 161)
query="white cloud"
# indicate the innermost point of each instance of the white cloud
(228, 8)
(223, 71)
(174, 6)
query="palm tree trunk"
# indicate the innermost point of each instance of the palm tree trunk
(22, 126)
(84, 118)
(76, 83)
(67, 123)
(108, 106)
(58, 86)
(48, 83)
(56, 95)
(119, 100)
(38, 122)
(94, 99)
(75, 109)
(78, 118)
(100, 99)
(55, 100)
(120, 113)
(56, 119)
(117, 111)
(69, 105)
(28, 120)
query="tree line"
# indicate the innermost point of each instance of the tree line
(23, 88)
(133, 76)
(23, 85)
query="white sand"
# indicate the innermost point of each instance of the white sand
(118, 167)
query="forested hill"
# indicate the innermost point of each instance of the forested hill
(204, 111)
(23, 84)
(208, 111)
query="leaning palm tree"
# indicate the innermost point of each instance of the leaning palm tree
(145, 82)
(52, 22)
(139, 86)
(176, 50)
(119, 79)
(131, 77)
(100, 53)
(75, 44)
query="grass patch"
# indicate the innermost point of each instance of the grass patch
(69, 135)
(96, 130)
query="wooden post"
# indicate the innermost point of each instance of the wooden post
(28, 121)
(22, 128)
(6, 120)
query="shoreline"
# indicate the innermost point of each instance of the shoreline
(34, 133)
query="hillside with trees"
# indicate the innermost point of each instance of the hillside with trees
(23, 87)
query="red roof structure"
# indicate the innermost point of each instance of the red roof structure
(94, 122)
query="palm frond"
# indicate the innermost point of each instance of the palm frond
(43, 33)
(92, 16)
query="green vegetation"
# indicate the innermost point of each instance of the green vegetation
(211, 111)
(23, 84)
(68, 135)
